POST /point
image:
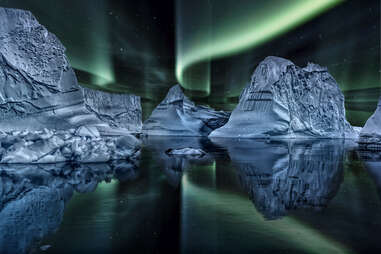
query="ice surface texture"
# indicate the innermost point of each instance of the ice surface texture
(286, 101)
(176, 115)
(81, 145)
(370, 136)
(45, 116)
(118, 110)
(33, 197)
(38, 88)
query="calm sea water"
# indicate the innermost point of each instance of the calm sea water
(241, 197)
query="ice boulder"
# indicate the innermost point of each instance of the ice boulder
(370, 136)
(49, 146)
(286, 101)
(177, 115)
(188, 151)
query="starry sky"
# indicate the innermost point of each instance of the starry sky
(211, 47)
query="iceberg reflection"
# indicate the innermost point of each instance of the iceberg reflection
(175, 164)
(372, 162)
(33, 197)
(284, 175)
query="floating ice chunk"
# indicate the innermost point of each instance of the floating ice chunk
(186, 151)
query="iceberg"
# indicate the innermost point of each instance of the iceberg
(45, 113)
(286, 101)
(370, 136)
(176, 115)
(39, 89)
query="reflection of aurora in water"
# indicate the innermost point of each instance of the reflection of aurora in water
(208, 209)
(287, 232)
(199, 193)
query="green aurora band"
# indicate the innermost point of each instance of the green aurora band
(216, 33)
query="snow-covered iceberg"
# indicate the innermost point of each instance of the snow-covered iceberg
(44, 112)
(286, 101)
(370, 136)
(39, 89)
(176, 115)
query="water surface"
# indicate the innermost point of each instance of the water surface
(243, 196)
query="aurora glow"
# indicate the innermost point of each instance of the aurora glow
(98, 61)
(132, 46)
(289, 229)
(246, 28)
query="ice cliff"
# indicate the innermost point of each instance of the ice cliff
(370, 136)
(286, 101)
(39, 90)
(120, 111)
(176, 115)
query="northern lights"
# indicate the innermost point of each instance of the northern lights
(212, 47)
(242, 29)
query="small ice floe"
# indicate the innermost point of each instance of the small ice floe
(45, 247)
(186, 151)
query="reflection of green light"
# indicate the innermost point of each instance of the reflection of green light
(108, 187)
(286, 229)
(230, 39)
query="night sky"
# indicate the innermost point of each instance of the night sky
(212, 46)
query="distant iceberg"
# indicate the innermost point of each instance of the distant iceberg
(370, 136)
(176, 115)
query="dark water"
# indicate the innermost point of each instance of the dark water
(241, 197)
